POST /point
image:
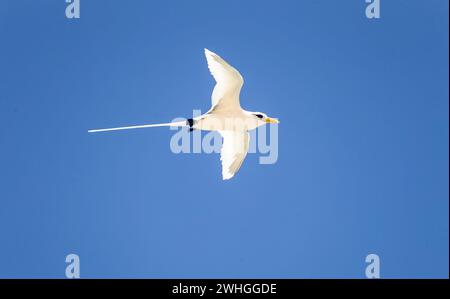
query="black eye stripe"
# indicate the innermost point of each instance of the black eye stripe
(259, 115)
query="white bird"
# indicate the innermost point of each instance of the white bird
(225, 116)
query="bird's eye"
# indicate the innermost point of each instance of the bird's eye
(259, 115)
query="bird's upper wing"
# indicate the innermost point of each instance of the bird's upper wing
(234, 150)
(229, 82)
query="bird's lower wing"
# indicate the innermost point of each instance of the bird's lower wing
(234, 150)
(173, 124)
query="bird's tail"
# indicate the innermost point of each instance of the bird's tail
(173, 124)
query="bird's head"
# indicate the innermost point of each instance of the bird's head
(262, 117)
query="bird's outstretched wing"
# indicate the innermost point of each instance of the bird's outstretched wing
(234, 150)
(229, 82)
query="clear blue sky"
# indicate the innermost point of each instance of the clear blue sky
(363, 154)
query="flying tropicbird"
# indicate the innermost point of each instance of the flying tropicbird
(225, 116)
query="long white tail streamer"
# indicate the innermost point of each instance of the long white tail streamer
(174, 124)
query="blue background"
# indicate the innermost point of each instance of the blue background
(363, 140)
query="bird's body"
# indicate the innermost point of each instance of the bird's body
(226, 121)
(225, 116)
